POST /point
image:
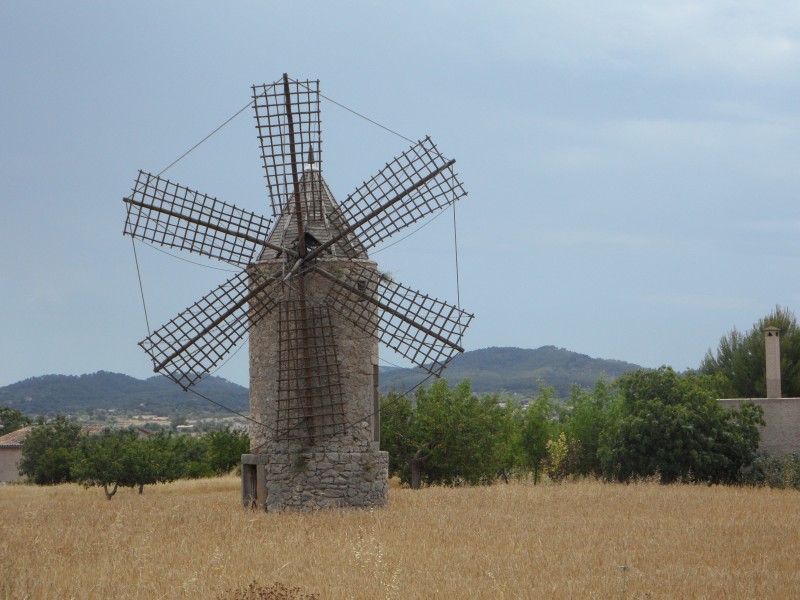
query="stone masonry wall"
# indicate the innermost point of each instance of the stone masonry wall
(346, 469)
(781, 435)
(310, 480)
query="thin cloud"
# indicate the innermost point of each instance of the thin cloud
(700, 301)
(741, 39)
(576, 237)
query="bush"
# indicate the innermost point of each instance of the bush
(449, 435)
(772, 470)
(277, 591)
(225, 449)
(47, 451)
(671, 424)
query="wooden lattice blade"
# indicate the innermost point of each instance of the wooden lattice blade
(422, 329)
(171, 215)
(310, 400)
(273, 125)
(194, 342)
(414, 185)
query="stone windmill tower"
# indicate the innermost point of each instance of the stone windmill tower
(314, 303)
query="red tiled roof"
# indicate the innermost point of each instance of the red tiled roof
(15, 438)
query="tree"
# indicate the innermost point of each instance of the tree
(562, 457)
(225, 449)
(12, 419)
(445, 435)
(740, 358)
(479, 440)
(120, 458)
(113, 459)
(189, 456)
(671, 425)
(538, 427)
(588, 415)
(47, 451)
(507, 423)
(397, 413)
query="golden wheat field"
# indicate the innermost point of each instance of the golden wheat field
(575, 540)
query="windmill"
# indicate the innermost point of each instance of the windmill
(313, 302)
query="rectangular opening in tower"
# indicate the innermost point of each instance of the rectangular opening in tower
(249, 485)
(310, 398)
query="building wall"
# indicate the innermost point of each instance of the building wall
(9, 457)
(781, 434)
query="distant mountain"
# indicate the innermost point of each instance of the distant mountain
(516, 371)
(66, 394)
(513, 370)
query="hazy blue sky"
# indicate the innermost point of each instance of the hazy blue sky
(632, 167)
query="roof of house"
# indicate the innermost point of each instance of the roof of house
(15, 438)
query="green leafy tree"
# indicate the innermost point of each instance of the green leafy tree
(740, 358)
(112, 459)
(562, 457)
(506, 431)
(189, 458)
(474, 448)
(169, 458)
(397, 413)
(445, 435)
(12, 419)
(47, 451)
(120, 458)
(588, 415)
(539, 425)
(225, 449)
(671, 425)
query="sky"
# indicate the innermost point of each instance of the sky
(632, 167)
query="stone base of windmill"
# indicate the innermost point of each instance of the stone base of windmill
(310, 479)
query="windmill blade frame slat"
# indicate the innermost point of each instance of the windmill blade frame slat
(175, 216)
(191, 344)
(425, 330)
(273, 123)
(308, 408)
(420, 182)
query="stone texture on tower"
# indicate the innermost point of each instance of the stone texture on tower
(339, 462)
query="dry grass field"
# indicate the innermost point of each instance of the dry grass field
(576, 540)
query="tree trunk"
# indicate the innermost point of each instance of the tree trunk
(416, 474)
(110, 495)
(141, 488)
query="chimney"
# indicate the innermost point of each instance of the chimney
(772, 345)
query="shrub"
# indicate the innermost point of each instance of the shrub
(277, 591)
(772, 470)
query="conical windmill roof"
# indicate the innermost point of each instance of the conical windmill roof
(322, 218)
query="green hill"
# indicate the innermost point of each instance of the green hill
(516, 371)
(513, 370)
(69, 394)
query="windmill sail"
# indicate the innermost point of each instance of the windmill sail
(309, 228)
(175, 216)
(288, 125)
(424, 330)
(195, 341)
(412, 186)
(310, 402)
